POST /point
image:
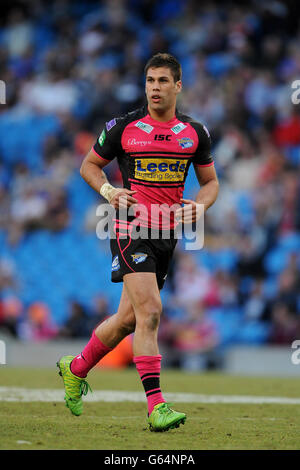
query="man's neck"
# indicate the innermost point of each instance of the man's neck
(164, 116)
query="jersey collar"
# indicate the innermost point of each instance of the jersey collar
(153, 122)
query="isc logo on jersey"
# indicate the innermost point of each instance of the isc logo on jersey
(166, 169)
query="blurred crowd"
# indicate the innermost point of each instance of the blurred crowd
(69, 66)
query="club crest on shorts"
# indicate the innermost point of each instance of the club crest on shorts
(115, 265)
(139, 257)
(185, 142)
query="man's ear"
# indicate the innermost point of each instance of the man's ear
(178, 86)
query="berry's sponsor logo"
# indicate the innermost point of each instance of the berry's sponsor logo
(142, 143)
(169, 169)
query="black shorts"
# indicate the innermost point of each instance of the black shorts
(141, 256)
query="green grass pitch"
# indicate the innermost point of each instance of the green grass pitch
(122, 425)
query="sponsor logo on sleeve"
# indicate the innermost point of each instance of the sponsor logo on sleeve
(102, 138)
(110, 124)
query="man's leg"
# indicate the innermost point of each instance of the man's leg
(143, 292)
(104, 338)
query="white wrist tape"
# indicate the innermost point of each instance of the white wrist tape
(107, 191)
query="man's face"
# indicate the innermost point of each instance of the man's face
(161, 89)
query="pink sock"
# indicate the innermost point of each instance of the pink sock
(89, 357)
(148, 368)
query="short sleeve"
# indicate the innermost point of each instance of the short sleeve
(203, 155)
(107, 144)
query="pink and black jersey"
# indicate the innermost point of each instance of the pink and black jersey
(154, 158)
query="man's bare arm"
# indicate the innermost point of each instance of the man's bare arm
(208, 180)
(206, 196)
(92, 172)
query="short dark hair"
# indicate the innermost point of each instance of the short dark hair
(162, 59)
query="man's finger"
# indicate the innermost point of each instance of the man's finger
(188, 213)
(129, 191)
(129, 198)
(185, 210)
(187, 201)
(125, 197)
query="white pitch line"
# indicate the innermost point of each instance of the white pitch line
(16, 394)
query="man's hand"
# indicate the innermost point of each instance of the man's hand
(122, 198)
(190, 212)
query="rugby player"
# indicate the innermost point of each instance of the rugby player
(155, 146)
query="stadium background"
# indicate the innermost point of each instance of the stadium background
(68, 67)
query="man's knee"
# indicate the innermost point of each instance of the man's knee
(127, 323)
(148, 314)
